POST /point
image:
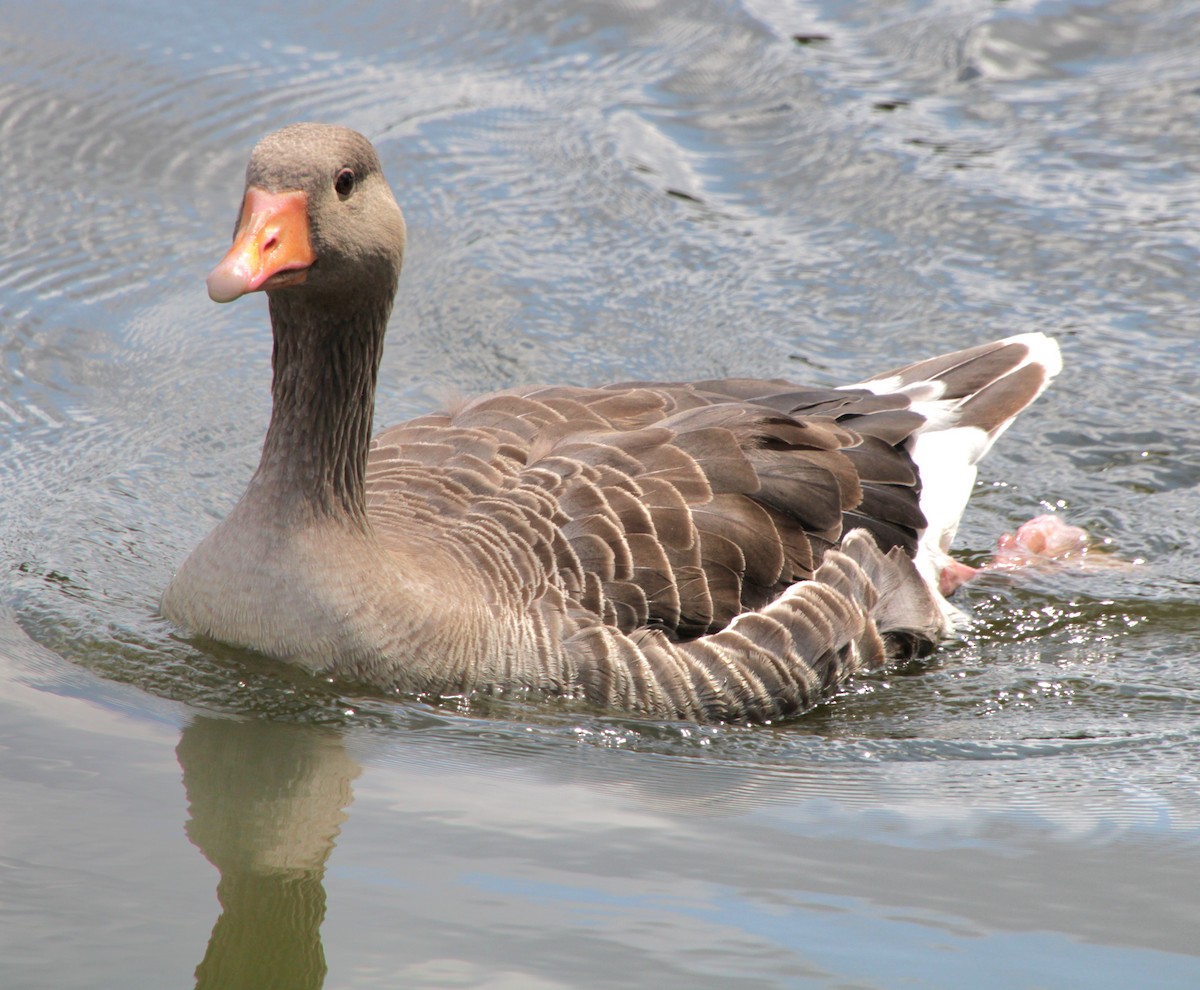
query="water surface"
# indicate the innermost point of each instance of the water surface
(601, 191)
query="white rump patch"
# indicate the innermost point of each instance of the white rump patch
(946, 455)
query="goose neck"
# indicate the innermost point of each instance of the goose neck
(325, 363)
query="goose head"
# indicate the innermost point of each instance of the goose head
(318, 221)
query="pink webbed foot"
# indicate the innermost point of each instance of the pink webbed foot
(1044, 540)
(954, 575)
(1043, 543)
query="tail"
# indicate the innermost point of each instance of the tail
(968, 398)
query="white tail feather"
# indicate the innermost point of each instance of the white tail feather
(947, 455)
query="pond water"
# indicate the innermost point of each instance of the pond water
(598, 191)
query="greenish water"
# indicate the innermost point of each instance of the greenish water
(602, 191)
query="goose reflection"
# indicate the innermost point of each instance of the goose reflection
(266, 801)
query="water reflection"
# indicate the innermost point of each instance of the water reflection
(501, 853)
(266, 802)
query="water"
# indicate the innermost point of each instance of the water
(600, 191)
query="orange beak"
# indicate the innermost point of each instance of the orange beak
(271, 248)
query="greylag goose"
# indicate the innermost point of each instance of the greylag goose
(716, 550)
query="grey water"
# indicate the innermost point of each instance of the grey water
(601, 191)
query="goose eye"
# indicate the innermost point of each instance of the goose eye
(344, 183)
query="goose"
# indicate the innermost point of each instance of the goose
(728, 550)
